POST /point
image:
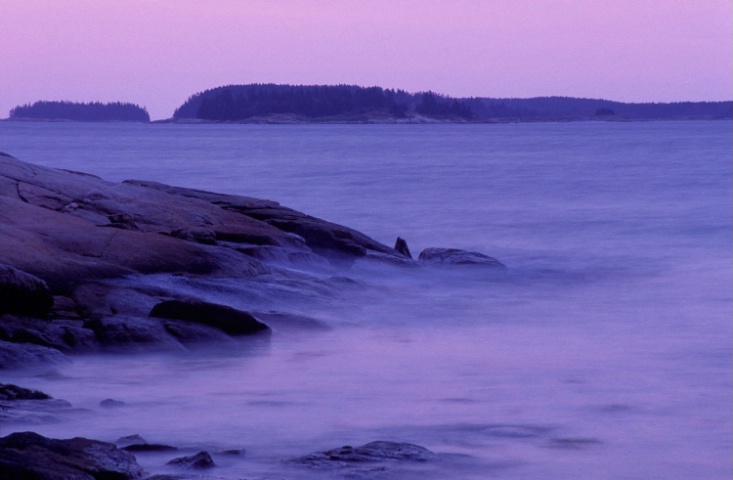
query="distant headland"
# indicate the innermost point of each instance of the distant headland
(273, 103)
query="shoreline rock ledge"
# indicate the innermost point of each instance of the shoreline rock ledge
(69, 242)
(67, 238)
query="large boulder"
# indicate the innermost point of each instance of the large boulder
(30, 456)
(23, 293)
(227, 319)
(199, 461)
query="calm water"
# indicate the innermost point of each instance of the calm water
(606, 353)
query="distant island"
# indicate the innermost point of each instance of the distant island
(236, 103)
(80, 112)
(271, 103)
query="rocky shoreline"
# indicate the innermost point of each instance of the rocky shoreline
(68, 241)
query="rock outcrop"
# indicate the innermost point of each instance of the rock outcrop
(70, 244)
(66, 237)
(455, 256)
(364, 461)
(19, 404)
(23, 293)
(27, 455)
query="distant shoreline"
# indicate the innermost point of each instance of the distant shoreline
(269, 103)
(373, 121)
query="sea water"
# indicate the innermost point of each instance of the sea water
(605, 352)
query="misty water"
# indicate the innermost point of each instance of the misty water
(604, 353)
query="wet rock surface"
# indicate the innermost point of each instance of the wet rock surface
(27, 455)
(11, 392)
(227, 319)
(60, 272)
(62, 276)
(19, 404)
(198, 461)
(371, 452)
(455, 256)
(367, 461)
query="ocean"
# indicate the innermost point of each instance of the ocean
(604, 353)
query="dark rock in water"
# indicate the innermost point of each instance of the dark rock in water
(14, 392)
(225, 318)
(29, 456)
(23, 293)
(379, 451)
(134, 439)
(401, 246)
(455, 256)
(200, 460)
(18, 404)
(111, 403)
(234, 452)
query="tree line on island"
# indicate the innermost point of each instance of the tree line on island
(352, 104)
(241, 102)
(85, 112)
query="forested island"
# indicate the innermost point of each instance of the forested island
(80, 112)
(235, 103)
(271, 103)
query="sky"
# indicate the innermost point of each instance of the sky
(157, 53)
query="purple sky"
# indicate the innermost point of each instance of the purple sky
(158, 52)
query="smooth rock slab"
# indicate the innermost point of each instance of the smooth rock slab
(30, 456)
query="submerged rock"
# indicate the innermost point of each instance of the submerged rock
(28, 455)
(111, 403)
(379, 451)
(455, 256)
(198, 461)
(134, 439)
(18, 404)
